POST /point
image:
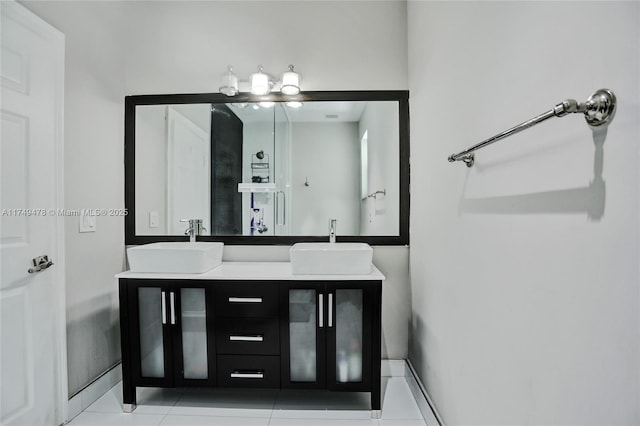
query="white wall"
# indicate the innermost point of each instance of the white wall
(381, 215)
(525, 271)
(328, 155)
(123, 48)
(151, 168)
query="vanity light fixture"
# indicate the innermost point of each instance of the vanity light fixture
(290, 82)
(229, 82)
(260, 83)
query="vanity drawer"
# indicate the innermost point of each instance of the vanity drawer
(249, 336)
(248, 371)
(247, 299)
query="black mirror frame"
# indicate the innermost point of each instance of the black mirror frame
(401, 96)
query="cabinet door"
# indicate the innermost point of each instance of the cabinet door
(303, 325)
(151, 360)
(349, 336)
(193, 334)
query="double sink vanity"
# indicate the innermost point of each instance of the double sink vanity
(257, 171)
(189, 319)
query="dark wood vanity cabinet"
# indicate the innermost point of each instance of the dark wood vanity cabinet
(285, 334)
(330, 335)
(166, 334)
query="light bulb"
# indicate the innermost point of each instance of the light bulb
(259, 82)
(290, 82)
(229, 83)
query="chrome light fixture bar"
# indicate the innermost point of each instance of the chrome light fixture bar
(260, 83)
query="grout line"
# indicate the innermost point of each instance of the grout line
(162, 420)
(275, 400)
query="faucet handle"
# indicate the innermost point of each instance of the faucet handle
(191, 221)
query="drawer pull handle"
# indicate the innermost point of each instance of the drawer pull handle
(247, 375)
(252, 338)
(245, 299)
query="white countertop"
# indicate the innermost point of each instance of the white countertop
(254, 271)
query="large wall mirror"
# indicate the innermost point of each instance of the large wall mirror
(268, 170)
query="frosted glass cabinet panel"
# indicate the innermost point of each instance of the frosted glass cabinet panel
(302, 335)
(151, 338)
(194, 333)
(349, 341)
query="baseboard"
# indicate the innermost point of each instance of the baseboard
(428, 410)
(92, 392)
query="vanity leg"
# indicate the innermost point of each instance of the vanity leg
(128, 408)
(128, 396)
(128, 389)
(376, 374)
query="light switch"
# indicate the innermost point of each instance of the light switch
(87, 221)
(154, 220)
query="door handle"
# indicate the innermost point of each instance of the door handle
(40, 263)
(330, 319)
(172, 300)
(320, 311)
(163, 303)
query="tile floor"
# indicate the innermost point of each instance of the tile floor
(233, 407)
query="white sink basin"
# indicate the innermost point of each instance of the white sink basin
(182, 258)
(331, 258)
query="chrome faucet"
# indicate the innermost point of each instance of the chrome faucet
(332, 230)
(195, 228)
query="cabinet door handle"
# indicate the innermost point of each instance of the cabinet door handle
(247, 375)
(320, 311)
(245, 300)
(330, 319)
(172, 297)
(163, 303)
(247, 338)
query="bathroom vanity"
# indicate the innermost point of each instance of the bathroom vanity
(251, 325)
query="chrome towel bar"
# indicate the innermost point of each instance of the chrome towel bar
(598, 110)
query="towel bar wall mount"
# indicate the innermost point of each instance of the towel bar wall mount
(598, 111)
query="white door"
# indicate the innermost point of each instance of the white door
(188, 178)
(32, 330)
